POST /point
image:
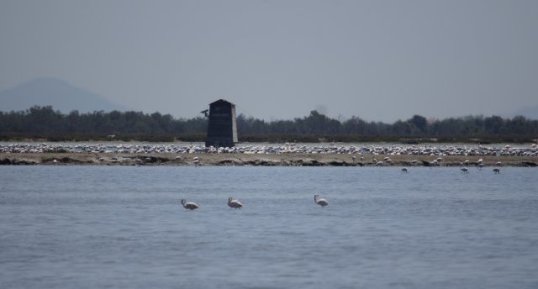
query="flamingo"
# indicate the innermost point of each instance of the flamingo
(233, 203)
(320, 201)
(189, 205)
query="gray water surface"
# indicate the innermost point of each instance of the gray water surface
(97, 227)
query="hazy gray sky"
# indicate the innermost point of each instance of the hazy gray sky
(379, 60)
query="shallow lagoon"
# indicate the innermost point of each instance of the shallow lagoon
(98, 226)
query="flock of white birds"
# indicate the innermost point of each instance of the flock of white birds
(528, 150)
(236, 204)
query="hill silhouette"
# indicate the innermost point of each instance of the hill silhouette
(530, 112)
(54, 92)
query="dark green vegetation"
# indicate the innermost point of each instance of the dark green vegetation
(46, 123)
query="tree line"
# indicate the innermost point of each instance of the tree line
(47, 123)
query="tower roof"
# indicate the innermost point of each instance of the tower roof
(221, 101)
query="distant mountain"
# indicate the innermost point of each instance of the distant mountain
(530, 112)
(57, 93)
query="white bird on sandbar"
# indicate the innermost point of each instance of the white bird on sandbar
(320, 201)
(234, 203)
(189, 205)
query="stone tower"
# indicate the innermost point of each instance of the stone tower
(222, 127)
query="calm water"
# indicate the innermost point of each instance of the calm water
(95, 227)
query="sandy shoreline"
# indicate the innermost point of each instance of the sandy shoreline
(234, 159)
